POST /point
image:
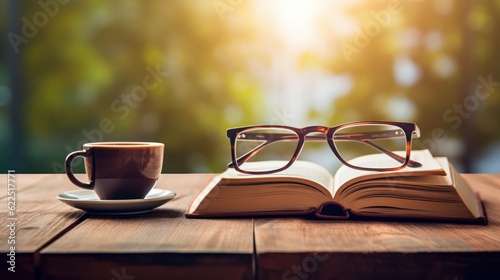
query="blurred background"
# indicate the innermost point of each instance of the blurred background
(182, 72)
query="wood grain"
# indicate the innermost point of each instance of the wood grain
(296, 248)
(157, 245)
(22, 182)
(39, 219)
(55, 241)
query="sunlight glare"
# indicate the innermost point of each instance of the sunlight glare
(296, 21)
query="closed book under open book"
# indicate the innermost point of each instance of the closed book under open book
(434, 191)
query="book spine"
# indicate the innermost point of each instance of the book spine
(332, 210)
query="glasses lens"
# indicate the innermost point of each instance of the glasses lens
(371, 146)
(266, 144)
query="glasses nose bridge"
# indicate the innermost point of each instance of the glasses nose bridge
(314, 129)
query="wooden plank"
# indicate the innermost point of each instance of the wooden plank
(157, 245)
(22, 182)
(38, 219)
(296, 248)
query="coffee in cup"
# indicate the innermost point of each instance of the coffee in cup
(119, 170)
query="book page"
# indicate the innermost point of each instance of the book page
(301, 188)
(465, 192)
(347, 176)
(405, 196)
(300, 171)
(204, 192)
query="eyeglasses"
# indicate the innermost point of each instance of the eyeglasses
(280, 145)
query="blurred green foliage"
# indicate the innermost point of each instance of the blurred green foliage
(90, 62)
(450, 47)
(182, 72)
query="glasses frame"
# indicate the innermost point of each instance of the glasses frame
(411, 130)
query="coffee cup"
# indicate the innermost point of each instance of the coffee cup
(119, 170)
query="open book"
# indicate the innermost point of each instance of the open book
(433, 191)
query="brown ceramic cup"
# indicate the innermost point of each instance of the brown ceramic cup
(119, 170)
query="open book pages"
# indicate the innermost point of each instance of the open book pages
(416, 195)
(434, 190)
(301, 186)
(299, 170)
(466, 193)
(347, 176)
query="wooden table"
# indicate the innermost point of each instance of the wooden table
(55, 241)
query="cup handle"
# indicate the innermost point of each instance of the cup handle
(69, 170)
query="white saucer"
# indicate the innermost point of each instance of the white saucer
(88, 201)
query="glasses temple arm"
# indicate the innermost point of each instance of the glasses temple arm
(249, 154)
(411, 163)
(259, 137)
(362, 137)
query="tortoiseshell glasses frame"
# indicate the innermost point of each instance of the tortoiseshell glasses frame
(328, 134)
